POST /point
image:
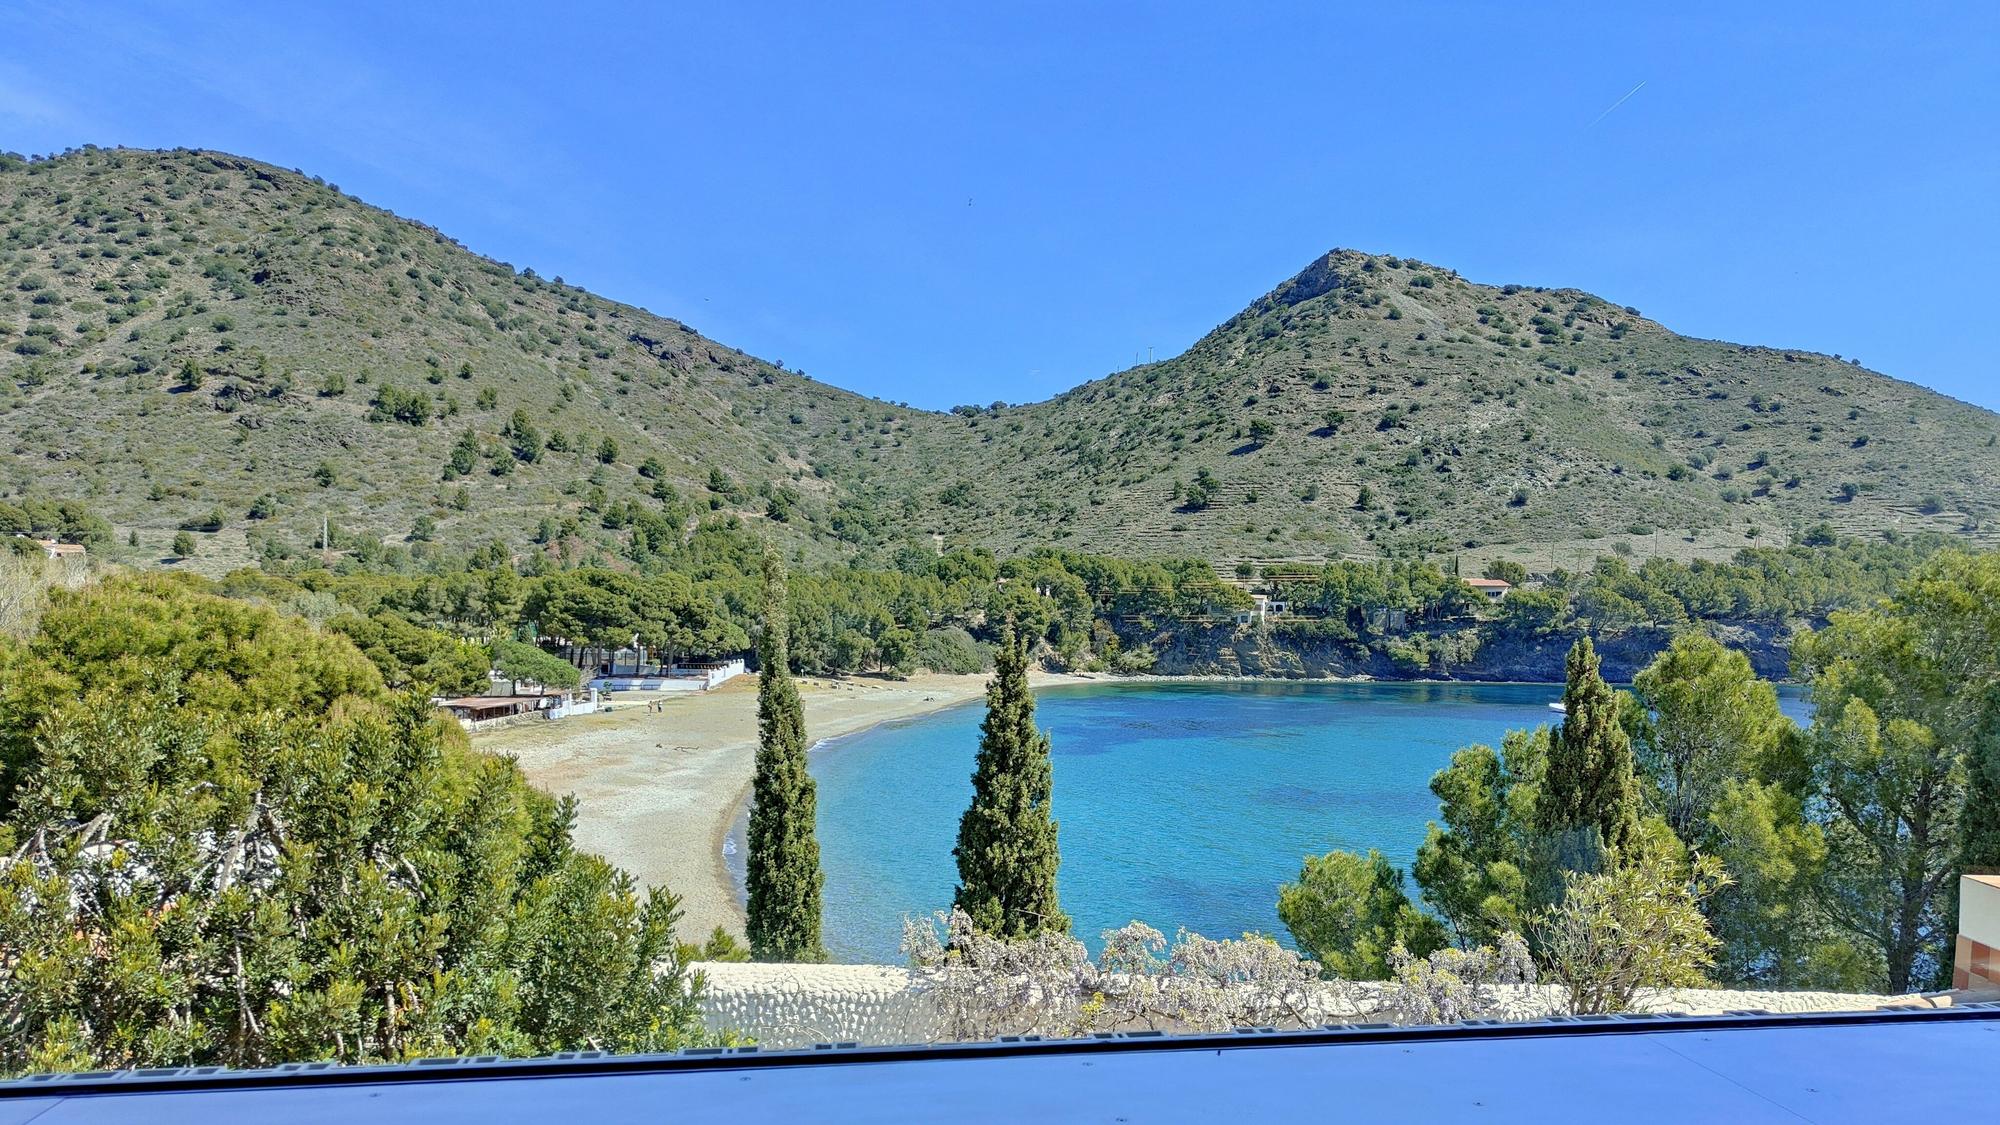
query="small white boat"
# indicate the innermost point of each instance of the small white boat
(1558, 708)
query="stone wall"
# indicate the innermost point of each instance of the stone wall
(783, 1006)
(800, 1005)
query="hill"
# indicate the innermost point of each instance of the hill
(192, 339)
(191, 334)
(1373, 403)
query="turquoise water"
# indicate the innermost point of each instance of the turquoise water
(1179, 804)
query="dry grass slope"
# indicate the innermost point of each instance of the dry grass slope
(1473, 416)
(297, 308)
(196, 339)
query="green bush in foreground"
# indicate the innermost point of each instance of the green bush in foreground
(229, 845)
(1348, 912)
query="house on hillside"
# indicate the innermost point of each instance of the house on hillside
(54, 550)
(1493, 588)
(1262, 608)
(1386, 619)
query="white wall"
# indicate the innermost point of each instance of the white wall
(800, 1005)
(783, 1006)
(1979, 909)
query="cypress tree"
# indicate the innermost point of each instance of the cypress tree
(1007, 854)
(1590, 781)
(784, 874)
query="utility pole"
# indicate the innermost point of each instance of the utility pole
(325, 538)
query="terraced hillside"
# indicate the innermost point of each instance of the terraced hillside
(196, 340)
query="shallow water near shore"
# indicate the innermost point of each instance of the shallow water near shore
(1179, 804)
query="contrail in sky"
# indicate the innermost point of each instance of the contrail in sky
(1616, 104)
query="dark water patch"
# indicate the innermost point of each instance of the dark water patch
(1301, 797)
(1076, 748)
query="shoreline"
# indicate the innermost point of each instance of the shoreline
(661, 790)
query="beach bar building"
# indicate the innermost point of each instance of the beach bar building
(685, 675)
(479, 712)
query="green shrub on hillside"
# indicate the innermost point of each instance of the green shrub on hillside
(953, 651)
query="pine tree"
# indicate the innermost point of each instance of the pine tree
(1590, 781)
(1978, 823)
(784, 875)
(1965, 592)
(1007, 854)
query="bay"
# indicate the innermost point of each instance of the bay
(1180, 804)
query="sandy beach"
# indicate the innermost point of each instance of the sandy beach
(660, 789)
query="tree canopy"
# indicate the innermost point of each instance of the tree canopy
(1349, 912)
(1906, 726)
(1835, 850)
(525, 662)
(158, 634)
(229, 843)
(410, 656)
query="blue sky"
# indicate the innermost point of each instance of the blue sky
(946, 202)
